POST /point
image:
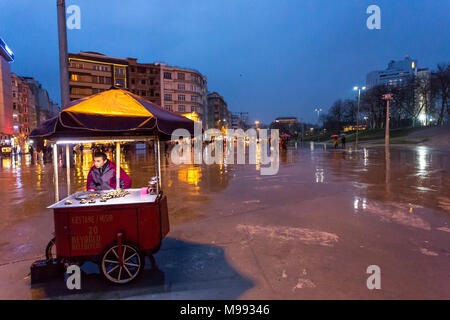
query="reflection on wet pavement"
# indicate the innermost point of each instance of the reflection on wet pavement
(394, 204)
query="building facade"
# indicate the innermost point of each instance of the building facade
(287, 125)
(93, 72)
(184, 91)
(21, 98)
(395, 74)
(239, 120)
(45, 107)
(219, 115)
(180, 90)
(6, 124)
(145, 80)
(31, 106)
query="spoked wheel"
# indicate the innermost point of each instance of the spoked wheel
(50, 250)
(125, 270)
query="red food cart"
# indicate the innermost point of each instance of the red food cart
(114, 228)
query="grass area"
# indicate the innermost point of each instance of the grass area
(372, 134)
(325, 137)
(401, 141)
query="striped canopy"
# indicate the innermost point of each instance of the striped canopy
(115, 112)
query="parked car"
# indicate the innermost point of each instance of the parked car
(6, 150)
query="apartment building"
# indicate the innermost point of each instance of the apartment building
(22, 100)
(180, 90)
(44, 106)
(6, 126)
(396, 73)
(184, 91)
(145, 80)
(31, 106)
(93, 72)
(219, 115)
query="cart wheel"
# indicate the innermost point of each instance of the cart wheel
(114, 271)
(50, 250)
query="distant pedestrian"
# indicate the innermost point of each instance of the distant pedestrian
(336, 142)
(343, 141)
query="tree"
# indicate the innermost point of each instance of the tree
(410, 99)
(425, 97)
(441, 86)
(397, 106)
(350, 111)
(374, 105)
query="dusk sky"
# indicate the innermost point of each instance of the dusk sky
(270, 58)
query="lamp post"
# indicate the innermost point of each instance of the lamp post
(357, 114)
(63, 55)
(303, 129)
(318, 110)
(387, 97)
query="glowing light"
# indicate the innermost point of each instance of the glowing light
(422, 160)
(190, 175)
(8, 50)
(422, 117)
(96, 141)
(192, 116)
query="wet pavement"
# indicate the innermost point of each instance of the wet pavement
(309, 232)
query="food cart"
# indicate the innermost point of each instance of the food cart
(114, 228)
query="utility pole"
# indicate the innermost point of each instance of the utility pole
(318, 110)
(357, 114)
(63, 66)
(303, 130)
(387, 97)
(63, 55)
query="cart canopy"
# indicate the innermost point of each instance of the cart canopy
(115, 112)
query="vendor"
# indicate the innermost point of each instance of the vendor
(102, 175)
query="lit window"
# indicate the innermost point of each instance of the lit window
(74, 77)
(120, 82)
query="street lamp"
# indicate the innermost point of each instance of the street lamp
(318, 110)
(357, 114)
(387, 97)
